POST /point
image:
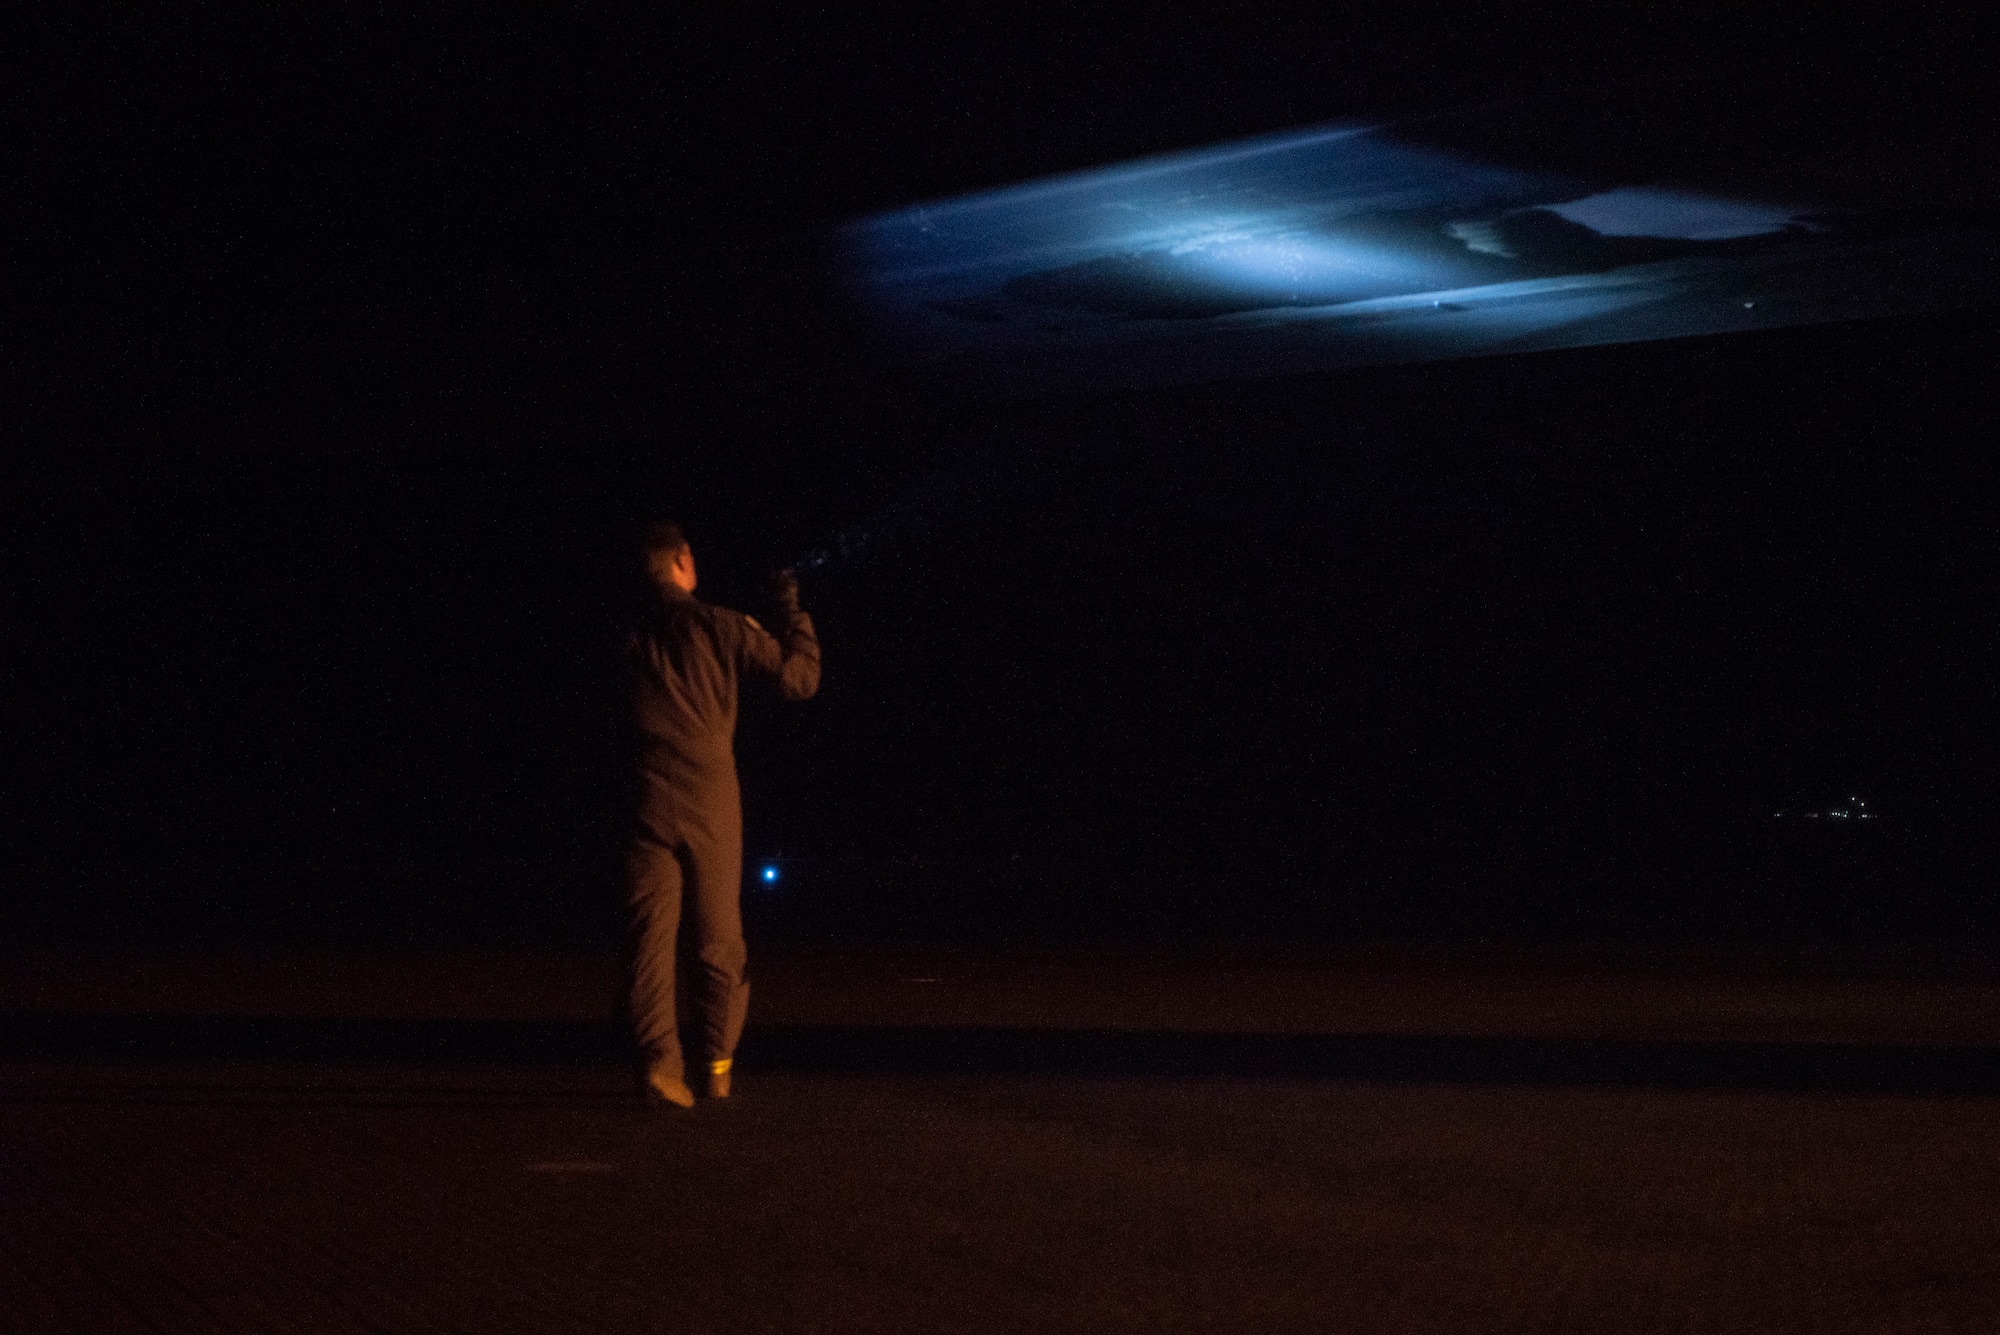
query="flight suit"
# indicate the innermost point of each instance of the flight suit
(685, 864)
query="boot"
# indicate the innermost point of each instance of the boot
(669, 1089)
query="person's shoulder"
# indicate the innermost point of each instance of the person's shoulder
(664, 618)
(725, 619)
(742, 624)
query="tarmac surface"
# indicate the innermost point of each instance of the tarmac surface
(1369, 1139)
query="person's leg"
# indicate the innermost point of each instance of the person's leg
(718, 993)
(654, 885)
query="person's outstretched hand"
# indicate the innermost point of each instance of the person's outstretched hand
(785, 588)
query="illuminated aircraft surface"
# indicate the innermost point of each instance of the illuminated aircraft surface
(1352, 245)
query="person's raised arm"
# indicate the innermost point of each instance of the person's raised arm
(791, 657)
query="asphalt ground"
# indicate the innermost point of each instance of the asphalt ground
(1365, 1140)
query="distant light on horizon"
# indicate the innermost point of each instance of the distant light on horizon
(1857, 809)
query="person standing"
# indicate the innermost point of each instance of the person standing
(684, 868)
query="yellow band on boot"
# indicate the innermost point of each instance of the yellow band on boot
(719, 1068)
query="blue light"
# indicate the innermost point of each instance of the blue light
(1304, 269)
(770, 874)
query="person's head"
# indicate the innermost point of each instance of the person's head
(669, 559)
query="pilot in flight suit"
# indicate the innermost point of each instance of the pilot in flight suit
(685, 865)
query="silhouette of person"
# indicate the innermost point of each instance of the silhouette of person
(684, 867)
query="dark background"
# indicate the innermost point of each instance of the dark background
(350, 356)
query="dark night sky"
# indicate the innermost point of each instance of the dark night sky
(353, 353)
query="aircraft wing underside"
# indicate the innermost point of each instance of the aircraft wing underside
(1355, 245)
